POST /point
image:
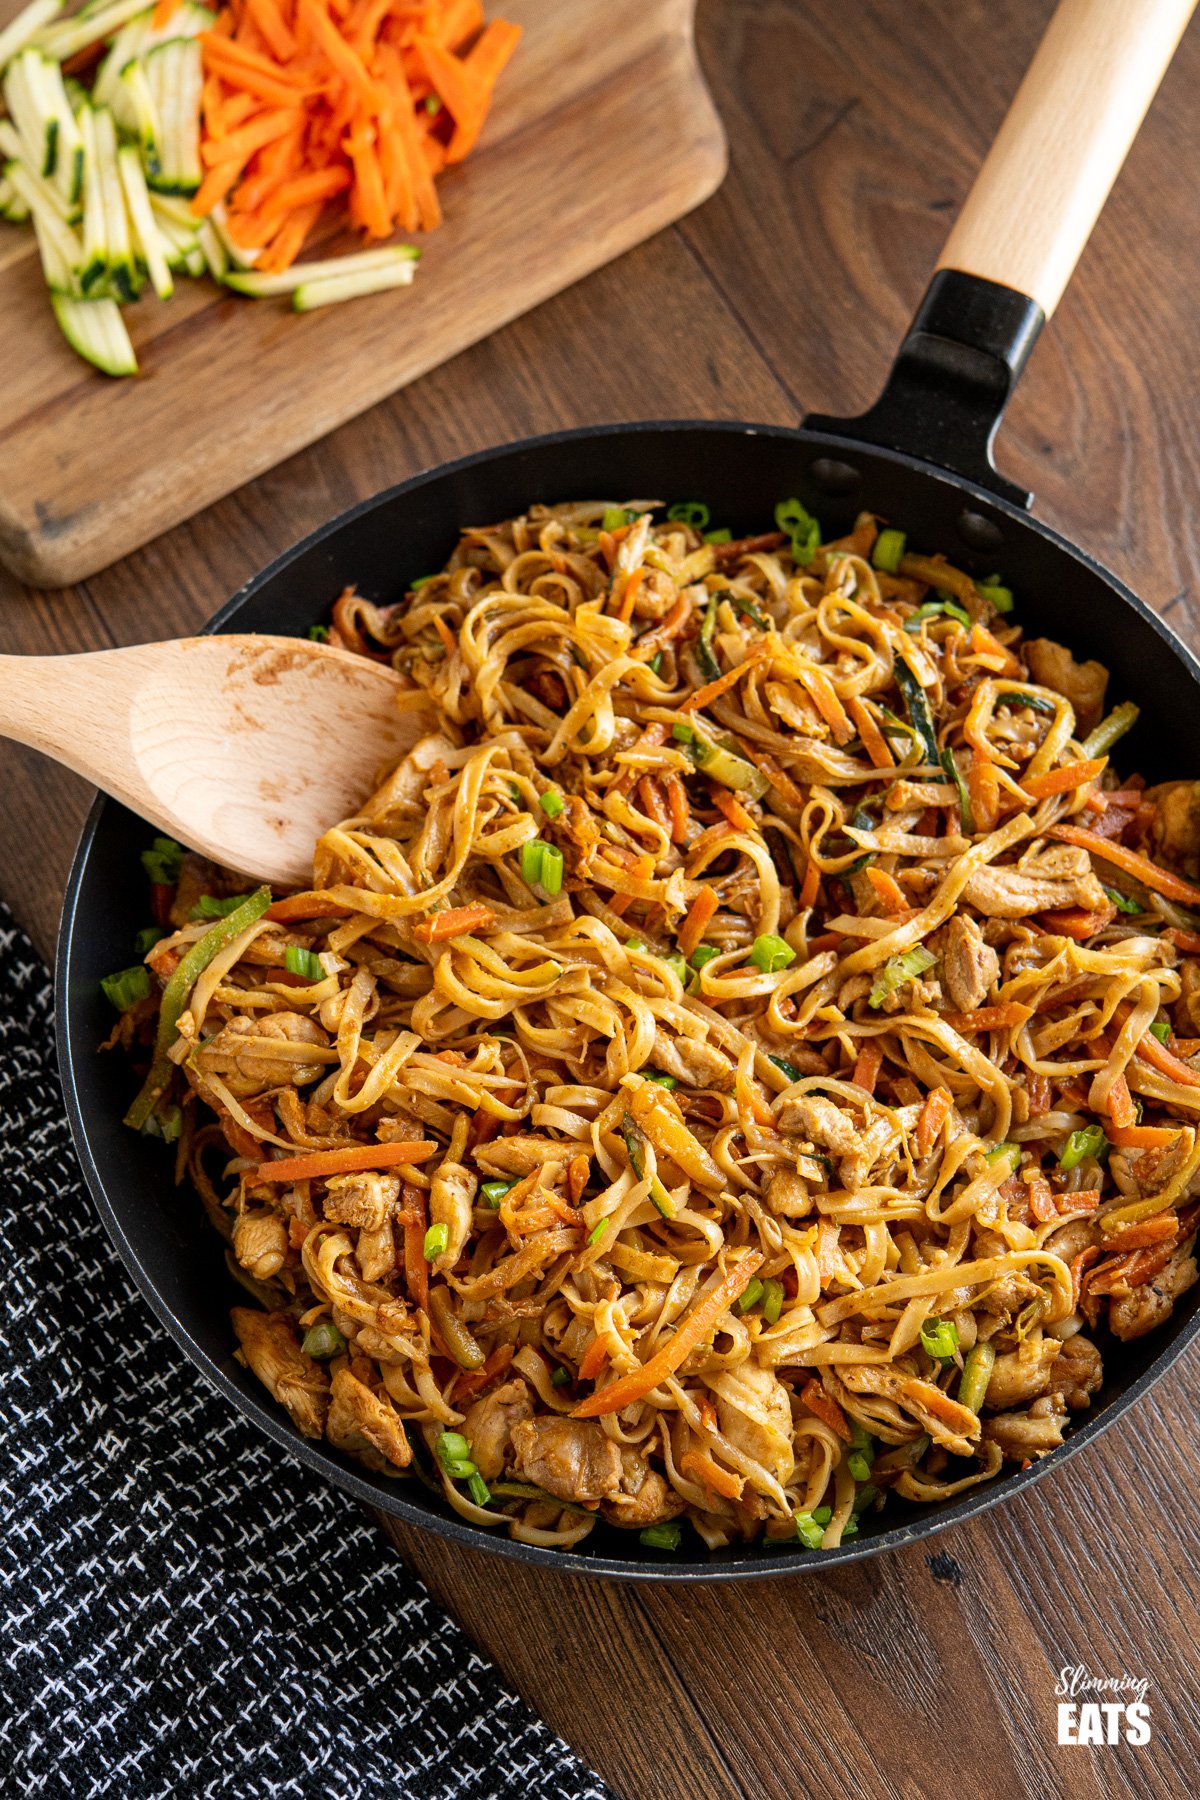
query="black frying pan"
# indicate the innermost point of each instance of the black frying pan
(920, 457)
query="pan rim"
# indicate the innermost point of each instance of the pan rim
(747, 1563)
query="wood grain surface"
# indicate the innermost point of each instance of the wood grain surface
(855, 130)
(91, 468)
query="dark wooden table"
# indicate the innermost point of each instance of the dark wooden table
(855, 129)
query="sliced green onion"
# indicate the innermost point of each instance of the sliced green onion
(532, 852)
(560, 1378)
(889, 548)
(702, 954)
(784, 1066)
(634, 944)
(918, 709)
(772, 1301)
(437, 1240)
(615, 517)
(749, 1297)
(899, 969)
(656, 662)
(977, 1372)
(1001, 597)
(1028, 1317)
(1089, 1140)
(1120, 720)
(323, 1340)
(859, 1465)
(965, 811)
(667, 1536)
(551, 876)
(808, 1531)
(677, 963)
(551, 803)
(1011, 1151)
(597, 1231)
(940, 1338)
(453, 1451)
(689, 512)
(932, 609)
(723, 536)
(704, 645)
(163, 861)
(822, 1514)
(494, 1191)
(770, 953)
(801, 527)
(303, 962)
(1124, 903)
(420, 582)
(480, 1492)
(319, 634)
(1161, 1030)
(864, 1497)
(175, 996)
(127, 986)
(657, 1076)
(165, 1122)
(211, 906)
(147, 937)
(683, 734)
(746, 609)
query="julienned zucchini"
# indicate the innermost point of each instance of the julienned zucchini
(97, 331)
(12, 207)
(175, 77)
(309, 295)
(21, 30)
(147, 239)
(396, 262)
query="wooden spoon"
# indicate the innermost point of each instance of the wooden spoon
(245, 748)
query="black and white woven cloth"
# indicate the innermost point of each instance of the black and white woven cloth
(186, 1612)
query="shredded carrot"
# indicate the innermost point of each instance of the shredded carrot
(470, 1382)
(305, 906)
(1041, 1198)
(733, 809)
(1140, 1236)
(989, 1018)
(1141, 1137)
(677, 803)
(874, 742)
(1159, 1057)
(828, 940)
(593, 1359)
(983, 786)
(888, 890)
(321, 1163)
(714, 689)
(384, 94)
(934, 1113)
(164, 12)
(704, 1318)
(1121, 1109)
(828, 704)
(1160, 881)
(1076, 922)
(454, 923)
(1187, 941)
(416, 1269)
(809, 886)
(652, 802)
(1071, 775)
(697, 921)
(866, 1069)
(711, 1475)
(629, 597)
(825, 1408)
(1085, 1201)
(990, 650)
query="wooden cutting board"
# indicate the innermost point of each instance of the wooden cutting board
(602, 133)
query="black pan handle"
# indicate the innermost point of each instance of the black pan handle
(1021, 232)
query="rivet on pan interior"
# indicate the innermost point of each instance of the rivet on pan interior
(979, 532)
(833, 477)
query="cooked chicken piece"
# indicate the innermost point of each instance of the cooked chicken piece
(1072, 1238)
(1149, 1305)
(1176, 828)
(1153, 1170)
(787, 1194)
(570, 1458)
(755, 1414)
(1024, 1436)
(253, 1071)
(1078, 1373)
(488, 1426)
(1083, 684)
(366, 1201)
(375, 1252)
(260, 1243)
(691, 1061)
(518, 1155)
(366, 1425)
(645, 1497)
(451, 1200)
(839, 1132)
(1059, 876)
(272, 1349)
(969, 966)
(1004, 1298)
(1024, 1373)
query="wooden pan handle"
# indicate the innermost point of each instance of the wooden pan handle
(1049, 172)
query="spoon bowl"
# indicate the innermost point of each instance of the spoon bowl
(244, 747)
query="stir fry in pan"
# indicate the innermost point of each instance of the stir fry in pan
(742, 1063)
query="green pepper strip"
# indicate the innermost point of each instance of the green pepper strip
(176, 995)
(635, 1143)
(704, 649)
(952, 769)
(452, 1331)
(977, 1372)
(918, 709)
